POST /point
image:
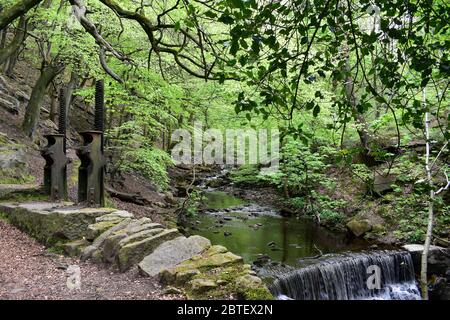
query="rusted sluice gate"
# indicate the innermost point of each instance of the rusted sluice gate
(91, 153)
(55, 169)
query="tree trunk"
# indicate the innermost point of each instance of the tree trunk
(48, 73)
(12, 13)
(3, 34)
(361, 124)
(424, 261)
(53, 92)
(13, 48)
(68, 93)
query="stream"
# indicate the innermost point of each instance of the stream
(254, 231)
(298, 258)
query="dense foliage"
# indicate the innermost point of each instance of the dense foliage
(347, 82)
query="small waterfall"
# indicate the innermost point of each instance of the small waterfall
(345, 277)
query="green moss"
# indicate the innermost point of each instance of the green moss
(15, 176)
(109, 203)
(227, 287)
(257, 294)
(17, 197)
(3, 217)
(57, 248)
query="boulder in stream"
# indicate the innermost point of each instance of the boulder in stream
(359, 227)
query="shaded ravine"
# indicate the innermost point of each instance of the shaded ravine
(281, 248)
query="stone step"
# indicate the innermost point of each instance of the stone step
(106, 222)
(171, 253)
(133, 253)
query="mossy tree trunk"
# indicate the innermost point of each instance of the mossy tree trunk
(48, 73)
(10, 51)
(19, 9)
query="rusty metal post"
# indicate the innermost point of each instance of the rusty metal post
(55, 170)
(91, 172)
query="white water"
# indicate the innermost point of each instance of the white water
(345, 277)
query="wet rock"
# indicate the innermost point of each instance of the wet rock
(262, 260)
(227, 218)
(171, 253)
(359, 227)
(438, 258)
(227, 233)
(256, 226)
(271, 244)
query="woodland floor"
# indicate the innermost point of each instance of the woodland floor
(29, 271)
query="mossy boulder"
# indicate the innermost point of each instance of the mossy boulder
(250, 287)
(359, 227)
(216, 273)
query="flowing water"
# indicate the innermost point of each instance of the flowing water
(286, 244)
(347, 277)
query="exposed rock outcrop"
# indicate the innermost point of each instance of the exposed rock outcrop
(438, 268)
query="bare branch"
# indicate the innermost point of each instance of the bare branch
(105, 66)
(79, 10)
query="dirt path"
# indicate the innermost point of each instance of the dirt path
(28, 271)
